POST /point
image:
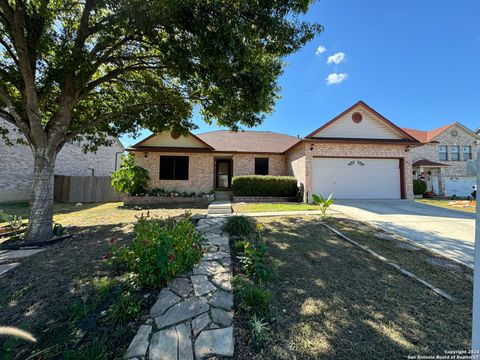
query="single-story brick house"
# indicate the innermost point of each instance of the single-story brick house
(358, 154)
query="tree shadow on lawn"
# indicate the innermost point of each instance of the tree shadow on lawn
(332, 300)
(22, 209)
(39, 295)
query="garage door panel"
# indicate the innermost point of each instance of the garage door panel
(356, 178)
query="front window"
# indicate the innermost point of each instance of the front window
(261, 166)
(467, 152)
(455, 153)
(173, 167)
(442, 153)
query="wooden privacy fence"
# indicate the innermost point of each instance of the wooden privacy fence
(85, 189)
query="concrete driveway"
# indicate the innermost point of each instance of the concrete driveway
(449, 232)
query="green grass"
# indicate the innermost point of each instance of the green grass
(332, 300)
(267, 207)
(444, 203)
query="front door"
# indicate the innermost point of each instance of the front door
(223, 174)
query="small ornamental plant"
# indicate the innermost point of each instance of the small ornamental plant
(323, 204)
(161, 250)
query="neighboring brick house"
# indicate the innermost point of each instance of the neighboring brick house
(447, 160)
(16, 167)
(358, 154)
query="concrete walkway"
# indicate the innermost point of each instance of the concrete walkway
(193, 315)
(448, 232)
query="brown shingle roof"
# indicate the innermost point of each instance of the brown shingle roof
(425, 162)
(248, 141)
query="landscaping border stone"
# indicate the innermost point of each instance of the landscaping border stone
(158, 200)
(193, 315)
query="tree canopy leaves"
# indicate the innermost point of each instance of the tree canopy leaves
(95, 68)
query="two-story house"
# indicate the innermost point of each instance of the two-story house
(447, 159)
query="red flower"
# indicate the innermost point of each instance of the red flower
(171, 257)
(106, 256)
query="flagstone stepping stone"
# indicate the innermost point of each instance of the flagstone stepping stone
(215, 255)
(222, 299)
(200, 323)
(185, 351)
(182, 311)
(223, 281)
(217, 342)
(181, 286)
(7, 267)
(201, 285)
(226, 262)
(222, 317)
(139, 345)
(209, 268)
(164, 345)
(222, 240)
(210, 235)
(165, 300)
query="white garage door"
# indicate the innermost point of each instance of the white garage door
(459, 186)
(349, 178)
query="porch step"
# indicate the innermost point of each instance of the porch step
(223, 195)
(220, 207)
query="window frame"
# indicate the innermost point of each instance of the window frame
(440, 153)
(469, 153)
(256, 171)
(452, 153)
(175, 175)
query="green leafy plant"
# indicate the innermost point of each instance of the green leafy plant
(130, 178)
(161, 249)
(255, 300)
(239, 226)
(323, 203)
(419, 186)
(14, 222)
(126, 306)
(260, 331)
(97, 349)
(264, 185)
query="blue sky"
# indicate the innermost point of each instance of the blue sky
(415, 62)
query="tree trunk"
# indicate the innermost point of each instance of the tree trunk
(40, 224)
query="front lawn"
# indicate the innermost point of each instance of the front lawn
(272, 207)
(53, 293)
(333, 300)
(459, 205)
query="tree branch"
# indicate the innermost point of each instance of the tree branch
(9, 50)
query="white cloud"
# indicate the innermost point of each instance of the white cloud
(336, 78)
(320, 50)
(336, 58)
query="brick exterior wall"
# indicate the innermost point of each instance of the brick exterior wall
(17, 165)
(200, 171)
(244, 164)
(295, 162)
(359, 150)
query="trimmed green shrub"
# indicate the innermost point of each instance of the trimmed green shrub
(239, 226)
(260, 185)
(130, 178)
(161, 250)
(419, 186)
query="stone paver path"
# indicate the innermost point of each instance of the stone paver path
(192, 317)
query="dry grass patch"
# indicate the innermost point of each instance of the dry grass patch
(332, 300)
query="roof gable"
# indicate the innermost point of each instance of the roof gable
(372, 126)
(167, 139)
(431, 135)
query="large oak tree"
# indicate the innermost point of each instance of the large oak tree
(92, 69)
